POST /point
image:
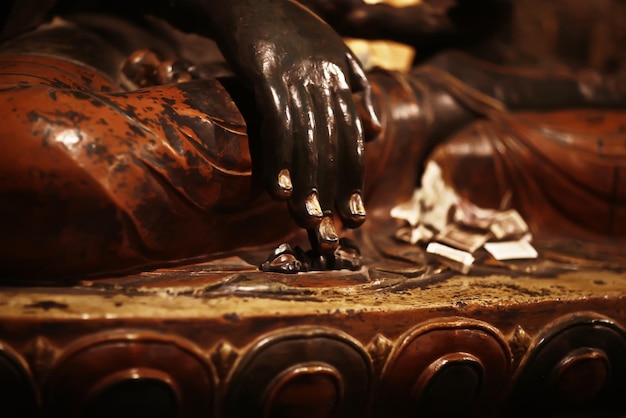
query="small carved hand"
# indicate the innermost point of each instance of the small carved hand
(316, 109)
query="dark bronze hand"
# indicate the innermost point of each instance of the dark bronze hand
(309, 89)
(311, 93)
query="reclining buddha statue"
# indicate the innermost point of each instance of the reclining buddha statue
(129, 145)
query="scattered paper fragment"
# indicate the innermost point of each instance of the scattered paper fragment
(508, 224)
(455, 228)
(456, 259)
(414, 235)
(528, 237)
(474, 216)
(511, 250)
(437, 198)
(462, 238)
(409, 211)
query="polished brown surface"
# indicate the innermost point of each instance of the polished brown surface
(233, 340)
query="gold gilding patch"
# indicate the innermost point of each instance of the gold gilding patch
(313, 207)
(357, 208)
(284, 180)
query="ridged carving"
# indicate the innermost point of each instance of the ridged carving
(379, 349)
(577, 365)
(519, 342)
(450, 367)
(17, 394)
(130, 374)
(41, 354)
(301, 372)
(223, 357)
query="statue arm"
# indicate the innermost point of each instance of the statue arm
(19, 16)
(304, 80)
(427, 26)
(315, 106)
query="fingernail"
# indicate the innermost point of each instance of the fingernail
(327, 234)
(284, 181)
(348, 258)
(312, 205)
(284, 263)
(283, 259)
(356, 206)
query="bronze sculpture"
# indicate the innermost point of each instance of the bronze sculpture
(303, 152)
(113, 182)
(196, 173)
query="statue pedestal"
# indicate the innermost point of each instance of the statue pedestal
(222, 339)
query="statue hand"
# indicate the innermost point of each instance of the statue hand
(310, 90)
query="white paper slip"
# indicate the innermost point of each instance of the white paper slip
(508, 224)
(409, 211)
(511, 250)
(414, 235)
(463, 239)
(455, 259)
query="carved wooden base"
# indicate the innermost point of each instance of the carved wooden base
(225, 340)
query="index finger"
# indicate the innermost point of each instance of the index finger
(276, 137)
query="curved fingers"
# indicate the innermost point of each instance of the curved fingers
(324, 237)
(351, 167)
(304, 203)
(276, 131)
(313, 145)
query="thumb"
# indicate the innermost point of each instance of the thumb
(362, 89)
